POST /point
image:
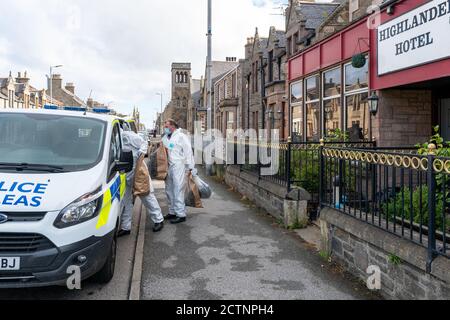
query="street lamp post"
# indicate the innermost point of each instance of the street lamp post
(209, 169)
(161, 114)
(51, 82)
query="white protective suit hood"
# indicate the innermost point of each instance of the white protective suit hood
(133, 142)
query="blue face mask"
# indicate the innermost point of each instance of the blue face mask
(167, 131)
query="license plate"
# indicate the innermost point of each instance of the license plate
(9, 264)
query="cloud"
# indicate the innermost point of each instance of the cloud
(259, 3)
(123, 50)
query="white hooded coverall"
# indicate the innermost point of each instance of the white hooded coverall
(181, 159)
(133, 142)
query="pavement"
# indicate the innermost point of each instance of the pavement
(117, 289)
(232, 250)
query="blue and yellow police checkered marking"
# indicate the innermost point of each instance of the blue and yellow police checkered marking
(115, 191)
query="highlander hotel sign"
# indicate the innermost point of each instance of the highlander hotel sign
(415, 38)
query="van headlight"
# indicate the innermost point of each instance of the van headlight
(81, 210)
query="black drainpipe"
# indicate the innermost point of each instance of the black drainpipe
(248, 102)
(263, 92)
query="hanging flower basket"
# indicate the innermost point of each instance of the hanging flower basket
(358, 60)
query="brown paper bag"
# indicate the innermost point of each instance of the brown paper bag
(192, 194)
(142, 181)
(162, 163)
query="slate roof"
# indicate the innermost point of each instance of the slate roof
(219, 68)
(20, 87)
(69, 98)
(3, 82)
(74, 97)
(315, 13)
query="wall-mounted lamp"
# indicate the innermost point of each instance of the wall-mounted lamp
(390, 10)
(373, 103)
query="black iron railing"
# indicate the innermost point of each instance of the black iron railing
(403, 193)
(297, 164)
(392, 188)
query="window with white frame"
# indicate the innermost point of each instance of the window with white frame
(332, 95)
(230, 120)
(357, 118)
(225, 89)
(312, 108)
(297, 110)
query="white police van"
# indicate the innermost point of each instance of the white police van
(62, 179)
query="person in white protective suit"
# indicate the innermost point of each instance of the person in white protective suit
(181, 160)
(133, 142)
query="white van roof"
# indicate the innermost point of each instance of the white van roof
(89, 115)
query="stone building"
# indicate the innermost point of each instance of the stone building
(302, 20)
(177, 109)
(253, 67)
(275, 92)
(193, 104)
(218, 70)
(65, 94)
(336, 21)
(226, 101)
(18, 93)
(92, 104)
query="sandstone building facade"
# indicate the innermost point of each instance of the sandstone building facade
(17, 92)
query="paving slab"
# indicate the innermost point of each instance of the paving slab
(231, 250)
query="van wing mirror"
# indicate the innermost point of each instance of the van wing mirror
(126, 162)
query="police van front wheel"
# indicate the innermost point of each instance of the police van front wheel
(106, 273)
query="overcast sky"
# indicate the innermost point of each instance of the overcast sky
(123, 50)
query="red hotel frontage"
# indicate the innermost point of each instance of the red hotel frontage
(407, 52)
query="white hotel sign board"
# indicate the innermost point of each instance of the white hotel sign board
(415, 38)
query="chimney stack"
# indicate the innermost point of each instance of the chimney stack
(249, 47)
(56, 82)
(22, 78)
(70, 87)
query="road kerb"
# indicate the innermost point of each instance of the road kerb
(136, 277)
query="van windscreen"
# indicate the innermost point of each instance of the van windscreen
(70, 143)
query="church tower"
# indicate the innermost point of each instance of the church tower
(181, 93)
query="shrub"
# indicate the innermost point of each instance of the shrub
(418, 212)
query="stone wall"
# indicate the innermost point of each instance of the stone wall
(290, 208)
(357, 245)
(404, 117)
